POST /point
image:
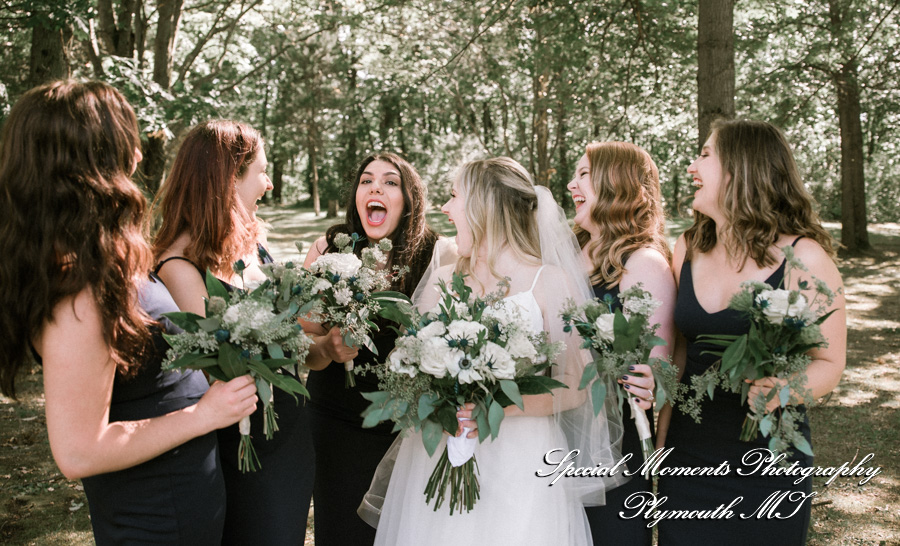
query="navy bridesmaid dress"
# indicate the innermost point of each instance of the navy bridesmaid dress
(717, 439)
(178, 497)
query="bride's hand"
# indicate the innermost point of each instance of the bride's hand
(640, 383)
(464, 416)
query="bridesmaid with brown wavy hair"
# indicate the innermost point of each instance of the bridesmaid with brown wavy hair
(386, 199)
(749, 203)
(76, 294)
(208, 209)
(620, 225)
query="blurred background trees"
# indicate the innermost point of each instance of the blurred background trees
(443, 81)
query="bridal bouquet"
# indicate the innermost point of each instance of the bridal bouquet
(784, 326)
(243, 332)
(351, 291)
(620, 339)
(465, 350)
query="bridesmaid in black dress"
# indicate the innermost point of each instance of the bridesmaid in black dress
(208, 209)
(620, 224)
(140, 438)
(387, 199)
(750, 202)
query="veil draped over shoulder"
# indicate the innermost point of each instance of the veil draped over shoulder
(596, 439)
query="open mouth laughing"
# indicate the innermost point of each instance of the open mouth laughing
(376, 212)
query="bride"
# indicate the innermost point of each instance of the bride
(508, 228)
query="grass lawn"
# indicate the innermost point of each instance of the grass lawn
(39, 506)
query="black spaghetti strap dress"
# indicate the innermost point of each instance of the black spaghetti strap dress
(178, 497)
(347, 453)
(269, 506)
(716, 439)
(606, 525)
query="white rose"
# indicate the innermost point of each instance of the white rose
(345, 265)
(776, 305)
(501, 362)
(434, 329)
(437, 358)
(320, 285)
(604, 327)
(399, 362)
(519, 346)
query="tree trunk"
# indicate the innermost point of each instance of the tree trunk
(854, 233)
(333, 205)
(154, 163)
(106, 27)
(675, 206)
(277, 179)
(153, 166)
(715, 64)
(312, 141)
(562, 147)
(48, 55)
(350, 150)
(164, 46)
(125, 35)
(541, 128)
(140, 34)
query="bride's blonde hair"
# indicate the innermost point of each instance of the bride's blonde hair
(501, 209)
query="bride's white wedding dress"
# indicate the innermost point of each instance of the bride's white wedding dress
(516, 507)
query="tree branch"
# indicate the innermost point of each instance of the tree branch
(468, 44)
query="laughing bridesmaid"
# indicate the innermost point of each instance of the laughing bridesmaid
(749, 203)
(387, 200)
(620, 224)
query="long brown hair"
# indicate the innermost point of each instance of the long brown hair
(199, 197)
(70, 219)
(764, 198)
(628, 212)
(413, 240)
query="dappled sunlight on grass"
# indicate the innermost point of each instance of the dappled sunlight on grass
(294, 225)
(879, 382)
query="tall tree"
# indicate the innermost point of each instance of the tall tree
(50, 33)
(854, 230)
(829, 72)
(169, 12)
(715, 64)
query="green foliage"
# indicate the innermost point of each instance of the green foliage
(443, 83)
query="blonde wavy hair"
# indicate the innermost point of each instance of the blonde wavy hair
(764, 197)
(627, 213)
(501, 209)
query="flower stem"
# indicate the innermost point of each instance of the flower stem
(247, 459)
(462, 481)
(749, 429)
(642, 425)
(350, 380)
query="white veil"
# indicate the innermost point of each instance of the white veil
(597, 439)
